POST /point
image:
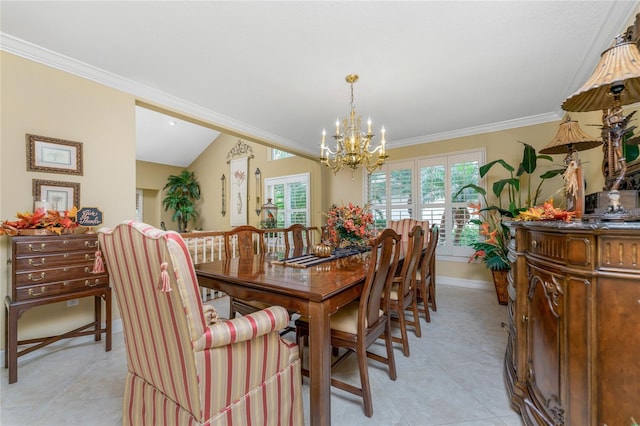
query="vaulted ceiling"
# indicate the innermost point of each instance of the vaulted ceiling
(275, 70)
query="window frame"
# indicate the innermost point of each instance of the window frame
(287, 179)
(445, 250)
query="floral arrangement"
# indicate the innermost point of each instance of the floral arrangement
(545, 212)
(350, 224)
(52, 221)
(491, 248)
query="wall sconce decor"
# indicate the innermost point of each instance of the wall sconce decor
(258, 190)
(224, 201)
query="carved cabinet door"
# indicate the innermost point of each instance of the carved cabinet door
(545, 328)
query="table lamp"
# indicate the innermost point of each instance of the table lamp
(569, 140)
(615, 82)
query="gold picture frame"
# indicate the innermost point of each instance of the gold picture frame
(60, 196)
(50, 155)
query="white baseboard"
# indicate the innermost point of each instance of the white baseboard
(464, 282)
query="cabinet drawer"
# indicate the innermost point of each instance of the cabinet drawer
(47, 261)
(565, 249)
(60, 287)
(65, 273)
(46, 245)
(619, 253)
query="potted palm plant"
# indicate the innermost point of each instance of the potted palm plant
(182, 190)
(511, 195)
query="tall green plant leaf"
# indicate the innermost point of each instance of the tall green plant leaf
(485, 169)
(498, 186)
(529, 159)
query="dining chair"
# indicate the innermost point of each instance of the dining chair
(186, 367)
(249, 242)
(426, 275)
(357, 325)
(402, 294)
(298, 235)
(244, 241)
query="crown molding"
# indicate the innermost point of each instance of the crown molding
(476, 130)
(141, 92)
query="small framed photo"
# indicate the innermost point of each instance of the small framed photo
(59, 196)
(51, 155)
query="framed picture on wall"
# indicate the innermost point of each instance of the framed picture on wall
(238, 193)
(60, 196)
(45, 154)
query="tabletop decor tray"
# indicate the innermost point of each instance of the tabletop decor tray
(308, 260)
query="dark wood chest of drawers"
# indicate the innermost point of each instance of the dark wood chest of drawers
(50, 269)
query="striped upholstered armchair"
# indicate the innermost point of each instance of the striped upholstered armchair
(185, 367)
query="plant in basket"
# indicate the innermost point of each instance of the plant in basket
(41, 222)
(349, 225)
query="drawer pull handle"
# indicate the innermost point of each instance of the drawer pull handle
(89, 257)
(65, 269)
(87, 269)
(32, 263)
(88, 283)
(65, 242)
(32, 278)
(525, 318)
(534, 244)
(32, 248)
(91, 245)
(33, 293)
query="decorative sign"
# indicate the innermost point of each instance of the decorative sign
(89, 217)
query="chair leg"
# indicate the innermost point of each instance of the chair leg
(416, 318)
(391, 361)
(403, 332)
(425, 300)
(432, 294)
(364, 380)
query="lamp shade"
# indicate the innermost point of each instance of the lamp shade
(618, 64)
(570, 133)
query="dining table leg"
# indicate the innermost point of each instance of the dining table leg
(320, 364)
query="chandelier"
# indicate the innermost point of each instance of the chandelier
(352, 144)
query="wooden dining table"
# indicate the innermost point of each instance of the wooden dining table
(315, 291)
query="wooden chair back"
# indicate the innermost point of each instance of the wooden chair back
(243, 241)
(383, 262)
(298, 235)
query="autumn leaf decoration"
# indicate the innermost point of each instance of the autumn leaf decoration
(52, 221)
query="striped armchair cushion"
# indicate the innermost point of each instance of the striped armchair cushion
(181, 369)
(404, 226)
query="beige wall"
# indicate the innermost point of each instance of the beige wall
(43, 101)
(151, 178)
(212, 164)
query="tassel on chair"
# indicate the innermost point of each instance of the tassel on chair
(98, 264)
(165, 282)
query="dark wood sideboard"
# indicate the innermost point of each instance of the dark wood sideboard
(49, 269)
(573, 353)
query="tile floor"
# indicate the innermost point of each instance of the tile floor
(453, 376)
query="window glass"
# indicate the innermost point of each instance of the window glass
(435, 179)
(277, 154)
(291, 195)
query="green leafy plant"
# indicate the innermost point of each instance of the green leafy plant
(182, 190)
(513, 194)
